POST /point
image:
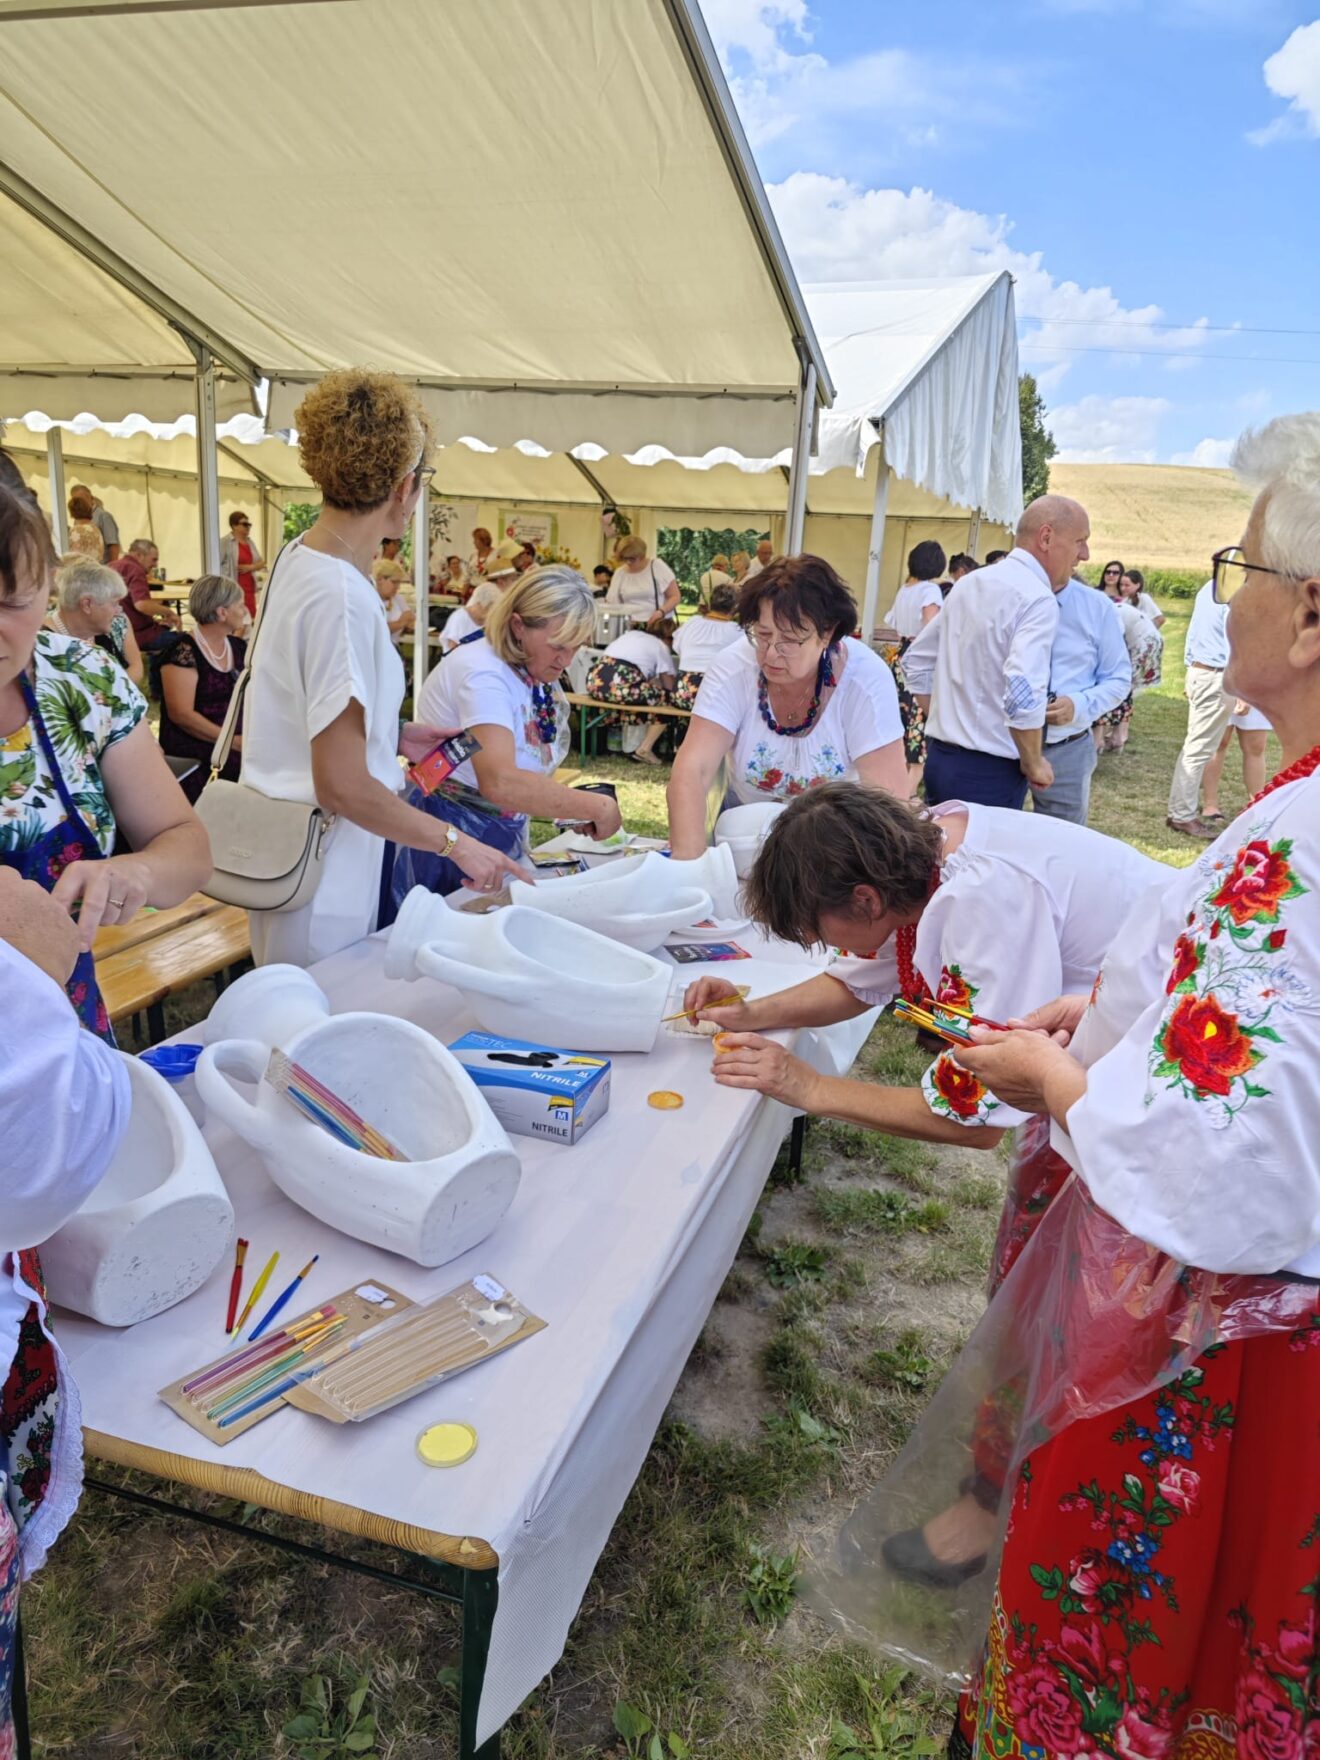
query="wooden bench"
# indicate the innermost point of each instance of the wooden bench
(160, 953)
(592, 712)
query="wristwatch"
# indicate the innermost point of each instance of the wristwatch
(451, 840)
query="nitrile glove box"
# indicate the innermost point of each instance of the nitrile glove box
(537, 1090)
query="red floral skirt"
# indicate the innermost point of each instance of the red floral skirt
(1038, 1176)
(1157, 1598)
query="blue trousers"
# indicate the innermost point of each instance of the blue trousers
(953, 773)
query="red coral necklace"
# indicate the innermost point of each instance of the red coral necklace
(912, 986)
(1294, 773)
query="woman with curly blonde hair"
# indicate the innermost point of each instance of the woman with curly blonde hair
(322, 712)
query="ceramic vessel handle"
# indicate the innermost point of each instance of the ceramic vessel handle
(243, 1057)
(436, 963)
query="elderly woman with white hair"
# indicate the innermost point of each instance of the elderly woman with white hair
(1160, 1334)
(197, 678)
(87, 605)
(504, 690)
(466, 622)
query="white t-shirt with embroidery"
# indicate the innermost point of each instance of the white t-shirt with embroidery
(1197, 1130)
(1026, 910)
(860, 715)
(473, 687)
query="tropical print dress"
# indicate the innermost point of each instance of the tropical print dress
(1157, 1595)
(88, 704)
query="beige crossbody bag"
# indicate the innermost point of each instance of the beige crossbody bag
(267, 853)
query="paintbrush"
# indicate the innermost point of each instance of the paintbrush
(725, 1001)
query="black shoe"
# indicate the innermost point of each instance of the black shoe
(908, 1555)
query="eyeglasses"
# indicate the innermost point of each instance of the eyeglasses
(1230, 572)
(423, 474)
(765, 643)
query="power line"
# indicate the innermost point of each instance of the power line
(1166, 324)
(1174, 354)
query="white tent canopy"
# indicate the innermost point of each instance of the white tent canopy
(386, 199)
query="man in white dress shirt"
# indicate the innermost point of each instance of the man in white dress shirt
(1090, 674)
(1209, 711)
(984, 663)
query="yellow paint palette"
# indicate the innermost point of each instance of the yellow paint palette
(447, 1445)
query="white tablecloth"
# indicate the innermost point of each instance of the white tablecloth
(620, 1243)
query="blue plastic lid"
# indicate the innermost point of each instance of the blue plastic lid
(174, 1062)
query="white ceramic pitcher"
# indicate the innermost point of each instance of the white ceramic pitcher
(527, 975)
(156, 1226)
(639, 899)
(462, 1173)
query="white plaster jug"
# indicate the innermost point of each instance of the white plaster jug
(527, 975)
(155, 1228)
(742, 830)
(637, 900)
(272, 1003)
(462, 1173)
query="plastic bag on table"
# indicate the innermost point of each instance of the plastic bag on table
(1089, 1319)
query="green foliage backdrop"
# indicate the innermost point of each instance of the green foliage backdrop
(1038, 446)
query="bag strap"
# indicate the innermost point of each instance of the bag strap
(220, 751)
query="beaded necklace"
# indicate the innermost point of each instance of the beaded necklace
(824, 679)
(912, 986)
(544, 709)
(1294, 773)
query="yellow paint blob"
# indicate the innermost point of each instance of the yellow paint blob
(665, 1100)
(447, 1445)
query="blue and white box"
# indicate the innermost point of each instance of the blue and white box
(537, 1090)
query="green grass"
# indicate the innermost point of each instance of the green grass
(150, 1637)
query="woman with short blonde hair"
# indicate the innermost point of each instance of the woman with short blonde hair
(88, 598)
(322, 713)
(504, 690)
(647, 591)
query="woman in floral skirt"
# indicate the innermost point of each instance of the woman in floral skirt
(1157, 1594)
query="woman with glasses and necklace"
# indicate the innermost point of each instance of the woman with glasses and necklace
(321, 719)
(796, 705)
(502, 686)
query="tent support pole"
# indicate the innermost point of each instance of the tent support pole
(875, 549)
(804, 433)
(974, 532)
(422, 596)
(208, 465)
(59, 513)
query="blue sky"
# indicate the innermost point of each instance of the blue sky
(1149, 169)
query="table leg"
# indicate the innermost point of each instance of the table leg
(796, 1143)
(19, 1705)
(156, 1022)
(481, 1593)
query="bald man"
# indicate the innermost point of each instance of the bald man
(984, 663)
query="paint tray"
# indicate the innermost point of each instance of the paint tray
(431, 1343)
(365, 1306)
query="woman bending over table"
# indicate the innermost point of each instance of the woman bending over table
(64, 1107)
(1157, 1589)
(981, 907)
(637, 671)
(504, 690)
(77, 759)
(322, 712)
(796, 705)
(87, 605)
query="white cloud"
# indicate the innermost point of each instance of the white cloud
(1109, 430)
(1212, 454)
(755, 29)
(1293, 72)
(837, 231)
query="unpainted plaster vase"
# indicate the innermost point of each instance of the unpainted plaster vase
(462, 1172)
(527, 975)
(272, 1004)
(637, 900)
(155, 1228)
(742, 830)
